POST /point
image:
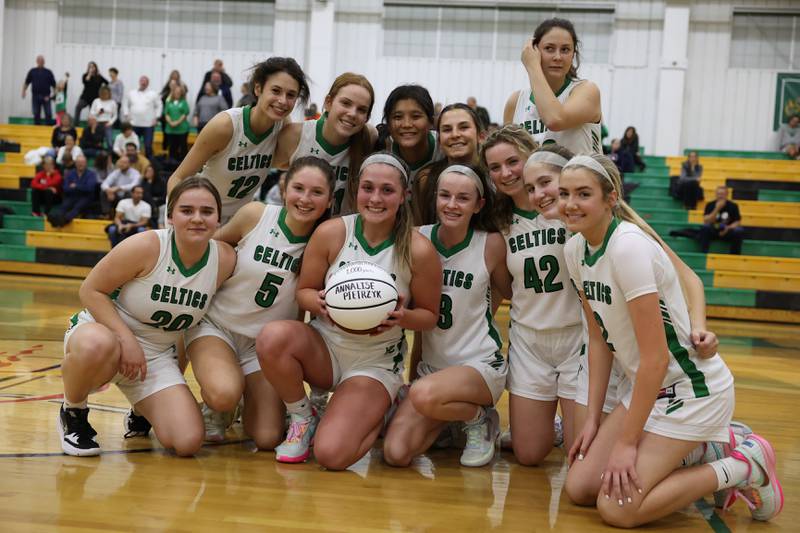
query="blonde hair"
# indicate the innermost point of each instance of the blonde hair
(621, 209)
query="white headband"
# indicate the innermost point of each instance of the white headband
(386, 159)
(465, 171)
(590, 162)
(550, 158)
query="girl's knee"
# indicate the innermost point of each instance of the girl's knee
(332, 455)
(272, 340)
(614, 514)
(222, 398)
(396, 453)
(266, 438)
(424, 397)
(579, 490)
(530, 454)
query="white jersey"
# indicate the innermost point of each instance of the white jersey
(262, 287)
(627, 265)
(584, 139)
(171, 298)
(239, 169)
(312, 143)
(466, 331)
(434, 154)
(356, 248)
(542, 294)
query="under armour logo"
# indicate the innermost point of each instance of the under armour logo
(527, 109)
(242, 144)
(170, 269)
(352, 245)
(515, 221)
(273, 232)
(315, 151)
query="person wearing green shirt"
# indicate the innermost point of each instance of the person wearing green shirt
(176, 129)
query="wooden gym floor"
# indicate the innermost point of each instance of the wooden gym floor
(136, 485)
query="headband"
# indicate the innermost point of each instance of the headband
(590, 162)
(386, 159)
(551, 158)
(465, 171)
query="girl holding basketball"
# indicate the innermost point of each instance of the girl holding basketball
(269, 241)
(139, 300)
(460, 133)
(462, 372)
(235, 149)
(365, 371)
(341, 136)
(674, 399)
(557, 106)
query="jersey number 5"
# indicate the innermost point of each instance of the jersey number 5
(269, 290)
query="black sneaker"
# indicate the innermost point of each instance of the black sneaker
(77, 435)
(136, 425)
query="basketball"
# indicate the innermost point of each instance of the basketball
(360, 295)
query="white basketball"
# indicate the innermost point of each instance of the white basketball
(360, 295)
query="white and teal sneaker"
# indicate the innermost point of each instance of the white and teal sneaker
(216, 424)
(715, 451)
(299, 439)
(483, 438)
(761, 491)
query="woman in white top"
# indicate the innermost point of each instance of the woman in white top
(462, 372)
(235, 150)
(139, 299)
(637, 317)
(104, 109)
(365, 371)
(558, 106)
(69, 148)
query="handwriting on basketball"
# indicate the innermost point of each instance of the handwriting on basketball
(357, 290)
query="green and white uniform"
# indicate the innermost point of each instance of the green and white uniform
(434, 154)
(240, 168)
(379, 356)
(466, 334)
(585, 139)
(261, 289)
(158, 308)
(696, 398)
(312, 143)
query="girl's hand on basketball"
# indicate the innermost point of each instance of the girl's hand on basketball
(705, 342)
(323, 309)
(393, 319)
(583, 441)
(620, 479)
(131, 360)
(531, 56)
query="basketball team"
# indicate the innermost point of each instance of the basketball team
(460, 220)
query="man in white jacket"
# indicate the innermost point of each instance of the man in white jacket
(142, 107)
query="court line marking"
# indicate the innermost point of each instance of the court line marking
(112, 452)
(22, 382)
(708, 512)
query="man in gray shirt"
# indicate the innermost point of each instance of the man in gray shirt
(789, 137)
(118, 184)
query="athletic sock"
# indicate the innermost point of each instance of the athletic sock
(77, 405)
(730, 472)
(694, 456)
(479, 414)
(300, 409)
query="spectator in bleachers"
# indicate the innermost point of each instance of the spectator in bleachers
(61, 131)
(722, 221)
(218, 68)
(482, 112)
(80, 191)
(688, 189)
(92, 81)
(208, 105)
(45, 188)
(132, 217)
(247, 98)
(176, 130)
(69, 148)
(630, 144)
(60, 97)
(136, 158)
(155, 192)
(67, 163)
(92, 137)
(620, 157)
(117, 91)
(166, 91)
(118, 184)
(42, 83)
(104, 110)
(102, 166)
(141, 108)
(789, 137)
(224, 90)
(123, 138)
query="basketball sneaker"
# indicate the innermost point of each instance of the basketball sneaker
(216, 424)
(77, 435)
(482, 439)
(558, 432)
(319, 399)
(297, 446)
(714, 451)
(761, 491)
(135, 425)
